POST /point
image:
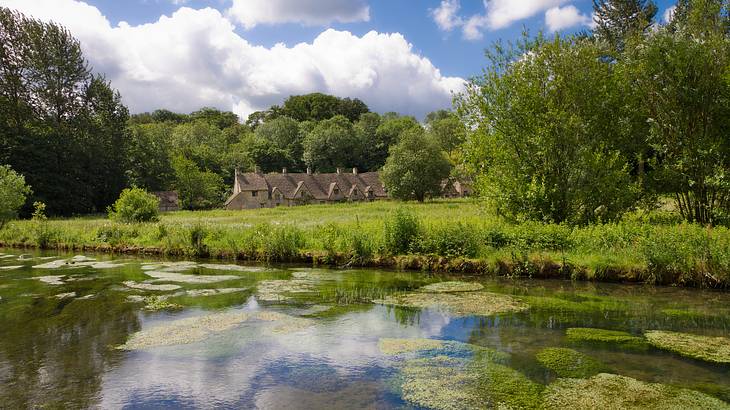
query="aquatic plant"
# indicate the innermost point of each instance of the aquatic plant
(569, 363)
(150, 286)
(452, 286)
(502, 387)
(707, 348)
(397, 346)
(279, 290)
(156, 303)
(610, 391)
(464, 304)
(612, 338)
(162, 276)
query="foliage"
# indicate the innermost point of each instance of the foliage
(332, 144)
(197, 189)
(13, 193)
(540, 148)
(619, 20)
(135, 205)
(401, 231)
(416, 167)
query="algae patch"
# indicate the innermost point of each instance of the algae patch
(277, 290)
(164, 276)
(605, 337)
(397, 346)
(452, 286)
(569, 363)
(213, 292)
(51, 280)
(464, 304)
(157, 303)
(610, 391)
(149, 286)
(707, 348)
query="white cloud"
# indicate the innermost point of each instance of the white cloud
(194, 58)
(669, 14)
(251, 13)
(446, 15)
(560, 18)
(498, 14)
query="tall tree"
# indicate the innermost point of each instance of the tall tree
(617, 20)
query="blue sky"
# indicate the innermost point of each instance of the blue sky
(245, 55)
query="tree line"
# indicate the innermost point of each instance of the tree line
(585, 127)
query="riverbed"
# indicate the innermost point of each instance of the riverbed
(101, 331)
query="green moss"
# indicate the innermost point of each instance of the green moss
(610, 338)
(569, 363)
(610, 391)
(503, 387)
(452, 286)
(707, 348)
(390, 346)
(465, 304)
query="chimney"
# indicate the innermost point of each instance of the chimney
(283, 170)
(309, 171)
(354, 171)
(339, 170)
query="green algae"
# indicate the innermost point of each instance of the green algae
(157, 303)
(213, 292)
(149, 286)
(569, 363)
(452, 286)
(706, 348)
(506, 388)
(464, 304)
(610, 391)
(279, 290)
(605, 337)
(165, 276)
(390, 346)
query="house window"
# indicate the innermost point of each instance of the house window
(254, 193)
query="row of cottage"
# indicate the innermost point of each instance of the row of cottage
(268, 190)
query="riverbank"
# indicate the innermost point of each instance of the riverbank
(460, 236)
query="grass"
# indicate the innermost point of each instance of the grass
(443, 235)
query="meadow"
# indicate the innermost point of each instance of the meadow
(461, 236)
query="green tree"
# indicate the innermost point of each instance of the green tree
(416, 167)
(13, 194)
(148, 156)
(388, 133)
(545, 141)
(215, 117)
(618, 20)
(447, 128)
(331, 144)
(284, 134)
(366, 129)
(135, 205)
(318, 107)
(197, 189)
(699, 17)
(684, 83)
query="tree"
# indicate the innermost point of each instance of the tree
(284, 134)
(148, 156)
(318, 107)
(684, 82)
(388, 133)
(215, 117)
(447, 128)
(544, 144)
(699, 17)
(617, 20)
(13, 194)
(416, 167)
(332, 144)
(135, 205)
(366, 129)
(197, 189)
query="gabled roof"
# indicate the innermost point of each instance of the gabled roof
(320, 186)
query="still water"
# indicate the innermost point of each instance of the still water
(120, 332)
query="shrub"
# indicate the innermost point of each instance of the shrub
(13, 192)
(135, 205)
(281, 243)
(401, 231)
(451, 241)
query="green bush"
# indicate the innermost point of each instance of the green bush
(401, 231)
(135, 205)
(13, 192)
(456, 240)
(281, 243)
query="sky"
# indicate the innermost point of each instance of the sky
(408, 56)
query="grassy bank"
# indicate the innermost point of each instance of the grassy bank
(453, 235)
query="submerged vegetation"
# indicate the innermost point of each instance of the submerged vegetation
(462, 304)
(613, 338)
(569, 363)
(707, 348)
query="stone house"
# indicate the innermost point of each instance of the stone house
(168, 200)
(258, 190)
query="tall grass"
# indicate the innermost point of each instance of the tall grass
(642, 247)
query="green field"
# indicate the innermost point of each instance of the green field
(445, 235)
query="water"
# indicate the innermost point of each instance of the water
(299, 338)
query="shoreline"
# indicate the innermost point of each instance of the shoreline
(540, 267)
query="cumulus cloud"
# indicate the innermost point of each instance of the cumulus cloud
(251, 13)
(194, 58)
(446, 15)
(560, 18)
(669, 14)
(498, 14)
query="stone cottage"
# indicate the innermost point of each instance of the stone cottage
(258, 190)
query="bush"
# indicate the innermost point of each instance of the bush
(451, 241)
(401, 232)
(135, 205)
(13, 192)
